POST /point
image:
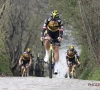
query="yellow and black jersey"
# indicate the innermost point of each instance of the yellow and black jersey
(26, 56)
(71, 53)
(53, 25)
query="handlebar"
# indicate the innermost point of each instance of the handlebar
(51, 41)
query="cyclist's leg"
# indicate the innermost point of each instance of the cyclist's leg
(74, 71)
(74, 63)
(68, 68)
(56, 58)
(22, 68)
(56, 51)
(47, 45)
(74, 67)
(27, 69)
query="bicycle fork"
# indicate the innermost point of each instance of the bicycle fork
(24, 72)
(51, 48)
(73, 72)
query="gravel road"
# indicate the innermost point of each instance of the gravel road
(44, 83)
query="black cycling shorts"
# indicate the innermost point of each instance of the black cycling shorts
(72, 60)
(54, 35)
(25, 62)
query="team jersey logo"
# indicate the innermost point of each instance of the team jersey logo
(70, 54)
(26, 56)
(53, 25)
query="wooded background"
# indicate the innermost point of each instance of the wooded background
(21, 23)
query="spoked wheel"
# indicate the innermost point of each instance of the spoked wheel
(50, 64)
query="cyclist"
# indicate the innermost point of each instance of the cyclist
(52, 28)
(26, 60)
(70, 57)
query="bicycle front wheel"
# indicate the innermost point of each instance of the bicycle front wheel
(73, 73)
(50, 64)
(24, 74)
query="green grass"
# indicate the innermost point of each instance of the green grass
(4, 65)
(86, 72)
(95, 74)
(88, 69)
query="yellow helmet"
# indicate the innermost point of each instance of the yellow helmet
(71, 47)
(54, 14)
(28, 50)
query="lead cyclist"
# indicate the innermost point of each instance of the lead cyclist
(52, 28)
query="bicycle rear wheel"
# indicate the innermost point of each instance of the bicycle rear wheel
(50, 64)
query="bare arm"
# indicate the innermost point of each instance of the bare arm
(77, 58)
(30, 61)
(20, 61)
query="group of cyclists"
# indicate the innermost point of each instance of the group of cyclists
(52, 29)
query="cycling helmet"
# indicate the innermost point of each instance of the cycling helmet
(28, 50)
(54, 14)
(71, 47)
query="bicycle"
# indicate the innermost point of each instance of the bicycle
(24, 72)
(39, 67)
(51, 57)
(73, 73)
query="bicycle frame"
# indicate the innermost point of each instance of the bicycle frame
(24, 72)
(51, 58)
(73, 72)
(51, 48)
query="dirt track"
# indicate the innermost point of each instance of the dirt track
(44, 83)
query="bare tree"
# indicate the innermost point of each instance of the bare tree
(91, 19)
(22, 28)
(18, 16)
